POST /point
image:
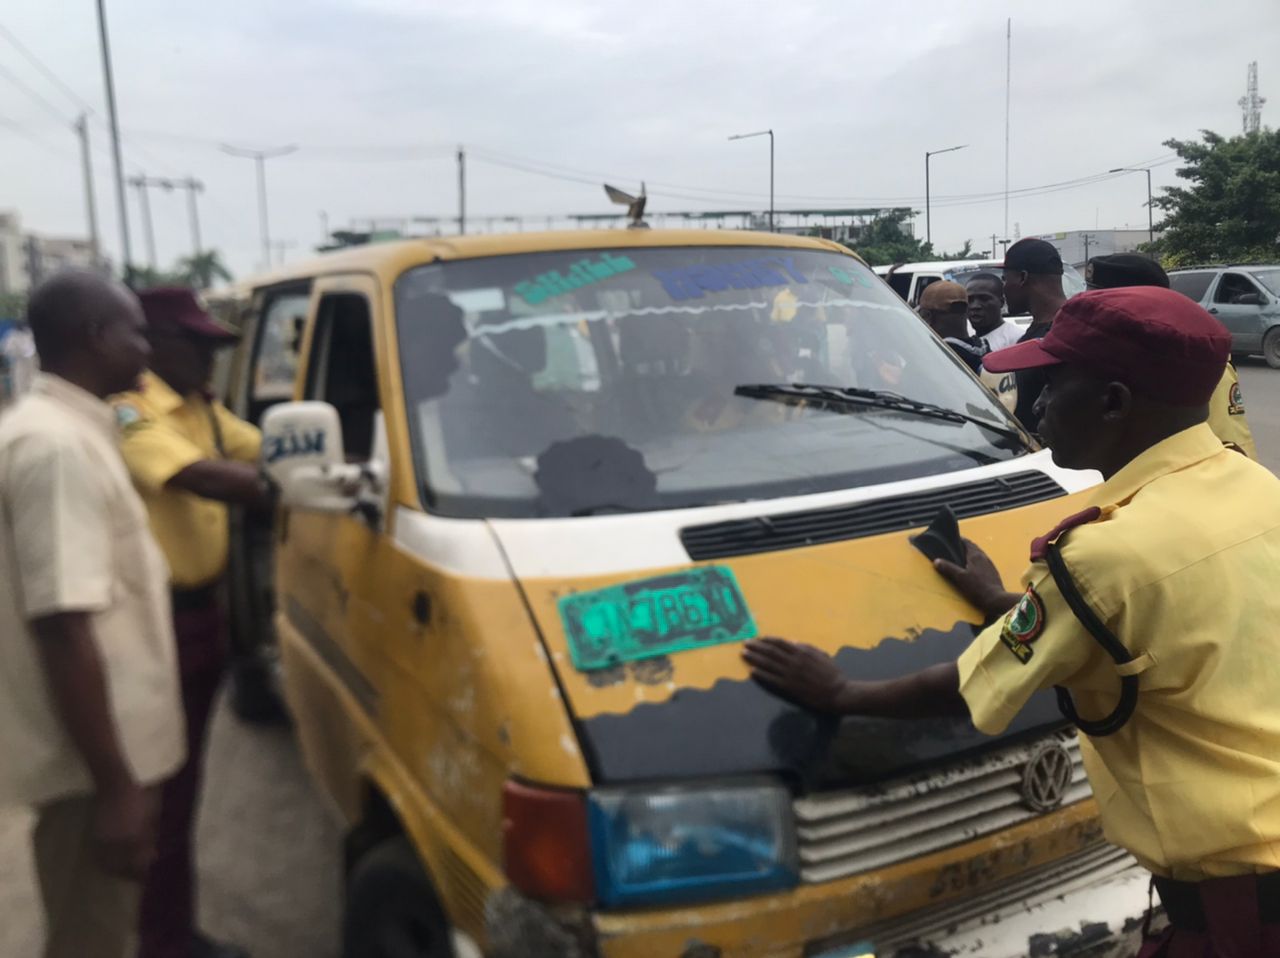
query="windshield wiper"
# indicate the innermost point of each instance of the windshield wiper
(842, 397)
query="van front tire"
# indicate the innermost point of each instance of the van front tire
(392, 909)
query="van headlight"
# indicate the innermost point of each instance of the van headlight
(689, 843)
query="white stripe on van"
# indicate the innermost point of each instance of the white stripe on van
(615, 544)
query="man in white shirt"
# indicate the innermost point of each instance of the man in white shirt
(90, 710)
(986, 299)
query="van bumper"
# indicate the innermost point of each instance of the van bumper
(1087, 905)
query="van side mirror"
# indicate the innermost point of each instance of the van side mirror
(1249, 299)
(302, 454)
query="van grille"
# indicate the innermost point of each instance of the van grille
(719, 540)
(1026, 892)
(844, 833)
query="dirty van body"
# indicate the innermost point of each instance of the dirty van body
(536, 491)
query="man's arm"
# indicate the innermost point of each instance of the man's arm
(238, 483)
(810, 676)
(123, 811)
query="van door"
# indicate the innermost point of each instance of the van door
(337, 555)
(1238, 303)
(262, 374)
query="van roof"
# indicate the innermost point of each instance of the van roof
(941, 266)
(388, 260)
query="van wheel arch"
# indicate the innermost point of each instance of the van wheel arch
(392, 907)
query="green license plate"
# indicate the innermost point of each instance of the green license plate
(670, 613)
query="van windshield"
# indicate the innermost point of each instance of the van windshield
(589, 382)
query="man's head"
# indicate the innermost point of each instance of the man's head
(184, 338)
(1124, 269)
(1126, 368)
(89, 329)
(985, 293)
(1030, 265)
(943, 305)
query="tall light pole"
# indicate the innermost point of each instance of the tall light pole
(769, 134)
(1151, 225)
(261, 157)
(122, 210)
(928, 223)
(95, 246)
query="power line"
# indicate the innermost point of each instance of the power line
(44, 69)
(34, 94)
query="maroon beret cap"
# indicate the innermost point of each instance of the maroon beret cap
(176, 309)
(1157, 342)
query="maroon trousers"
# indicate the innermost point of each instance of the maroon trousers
(1218, 918)
(167, 921)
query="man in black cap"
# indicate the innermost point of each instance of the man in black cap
(1226, 408)
(1032, 284)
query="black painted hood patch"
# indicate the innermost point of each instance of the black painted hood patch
(737, 728)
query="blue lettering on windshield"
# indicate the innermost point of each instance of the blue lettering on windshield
(694, 282)
(585, 272)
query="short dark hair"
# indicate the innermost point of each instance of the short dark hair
(63, 307)
(985, 277)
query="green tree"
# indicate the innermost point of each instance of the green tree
(1229, 211)
(886, 240)
(202, 270)
(145, 277)
(12, 306)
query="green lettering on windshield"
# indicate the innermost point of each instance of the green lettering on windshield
(672, 613)
(585, 272)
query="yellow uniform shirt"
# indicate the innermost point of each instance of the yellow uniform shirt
(1182, 568)
(163, 433)
(1226, 415)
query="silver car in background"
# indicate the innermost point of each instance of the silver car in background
(1246, 299)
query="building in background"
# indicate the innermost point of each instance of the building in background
(1077, 247)
(27, 258)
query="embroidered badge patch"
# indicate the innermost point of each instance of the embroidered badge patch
(1235, 403)
(127, 418)
(1023, 625)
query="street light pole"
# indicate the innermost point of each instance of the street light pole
(769, 134)
(140, 184)
(95, 245)
(122, 209)
(1151, 225)
(928, 222)
(260, 157)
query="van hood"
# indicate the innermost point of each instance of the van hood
(872, 601)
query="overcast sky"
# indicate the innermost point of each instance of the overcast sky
(376, 94)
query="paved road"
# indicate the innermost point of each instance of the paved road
(1261, 387)
(269, 853)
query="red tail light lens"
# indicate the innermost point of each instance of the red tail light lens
(545, 843)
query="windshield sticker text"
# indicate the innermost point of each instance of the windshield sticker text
(585, 272)
(850, 277)
(694, 282)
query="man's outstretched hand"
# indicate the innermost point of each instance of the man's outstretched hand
(801, 673)
(978, 580)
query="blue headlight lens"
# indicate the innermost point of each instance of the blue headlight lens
(690, 844)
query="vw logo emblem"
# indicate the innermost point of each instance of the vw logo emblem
(1046, 777)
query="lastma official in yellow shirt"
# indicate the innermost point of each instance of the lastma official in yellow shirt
(1181, 566)
(163, 433)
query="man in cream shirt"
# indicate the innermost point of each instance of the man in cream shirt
(90, 711)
